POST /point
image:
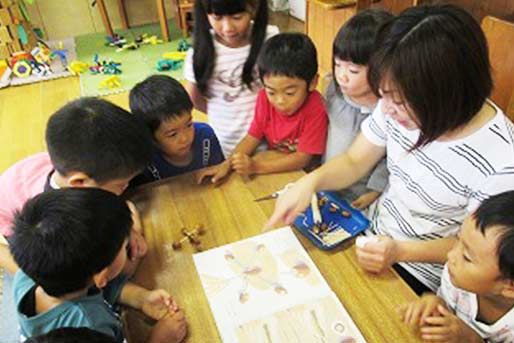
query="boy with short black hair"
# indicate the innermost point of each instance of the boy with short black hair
(180, 146)
(475, 302)
(70, 244)
(289, 114)
(91, 143)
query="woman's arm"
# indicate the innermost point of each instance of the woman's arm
(338, 173)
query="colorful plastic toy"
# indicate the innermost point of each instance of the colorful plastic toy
(164, 65)
(111, 82)
(174, 55)
(77, 67)
(183, 45)
(105, 67)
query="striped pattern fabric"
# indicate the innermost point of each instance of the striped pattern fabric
(432, 189)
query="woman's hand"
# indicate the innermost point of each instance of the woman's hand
(377, 256)
(293, 201)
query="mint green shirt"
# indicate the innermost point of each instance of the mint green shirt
(92, 311)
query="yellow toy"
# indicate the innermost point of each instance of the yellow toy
(77, 67)
(174, 55)
(153, 40)
(110, 82)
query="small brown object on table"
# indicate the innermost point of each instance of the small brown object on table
(230, 213)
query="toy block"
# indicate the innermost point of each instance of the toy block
(5, 17)
(4, 51)
(5, 36)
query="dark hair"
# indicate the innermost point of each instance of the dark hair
(289, 54)
(157, 99)
(72, 335)
(355, 40)
(63, 237)
(204, 57)
(97, 138)
(496, 212)
(437, 57)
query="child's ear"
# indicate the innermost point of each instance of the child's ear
(508, 289)
(79, 179)
(314, 83)
(101, 278)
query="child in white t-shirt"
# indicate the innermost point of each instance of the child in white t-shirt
(220, 68)
(475, 302)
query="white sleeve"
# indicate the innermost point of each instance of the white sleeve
(445, 289)
(374, 127)
(189, 74)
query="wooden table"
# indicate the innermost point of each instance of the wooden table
(229, 214)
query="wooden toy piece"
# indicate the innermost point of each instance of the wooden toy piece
(323, 227)
(178, 244)
(333, 208)
(322, 201)
(191, 236)
(316, 229)
(346, 214)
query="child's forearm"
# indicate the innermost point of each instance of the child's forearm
(281, 162)
(133, 295)
(432, 251)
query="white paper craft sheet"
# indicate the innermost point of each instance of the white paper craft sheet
(267, 289)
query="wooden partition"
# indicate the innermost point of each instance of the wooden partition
(500, 37)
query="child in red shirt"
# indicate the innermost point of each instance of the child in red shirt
(289, 114)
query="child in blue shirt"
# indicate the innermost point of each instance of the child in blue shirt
(71, 245)
(181, 146)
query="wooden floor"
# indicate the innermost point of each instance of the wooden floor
(24, 111)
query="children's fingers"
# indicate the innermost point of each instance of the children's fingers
(427, 312)
(434, 330)
(435, 320)
(200, 176)
(415, 314)
(434, 338)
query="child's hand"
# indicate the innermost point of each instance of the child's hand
(242, 164)
(447, 327)
(136, 218)
(415, 313)
(138, 246)
(158, 303)
(376, 257)
(217, 172)
(170, 329)
(365, 200)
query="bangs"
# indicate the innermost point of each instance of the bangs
(226, 7)
(354, 45)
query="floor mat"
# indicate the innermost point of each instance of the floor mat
(136, 65)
